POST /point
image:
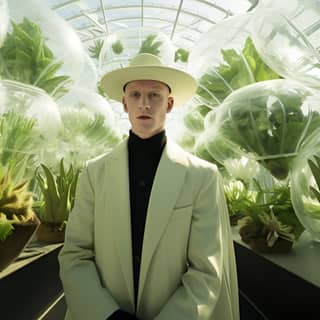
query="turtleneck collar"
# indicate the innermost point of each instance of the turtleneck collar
(153, 144)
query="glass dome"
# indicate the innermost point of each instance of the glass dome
(58, 36)
(31, 102)
(30, 121)
(305, 186)
(89, 127)
(83, 98)
(267, 121)
(223, 60)
(221, 66)
(287, 36)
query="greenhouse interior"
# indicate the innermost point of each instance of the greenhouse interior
(249, 117)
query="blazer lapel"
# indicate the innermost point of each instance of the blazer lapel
(167, 184)
(118, 202)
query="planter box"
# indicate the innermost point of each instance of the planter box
(30, 285)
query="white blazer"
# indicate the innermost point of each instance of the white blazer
(188, 267)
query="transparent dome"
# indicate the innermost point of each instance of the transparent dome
(58, 36)
(31, 102)
(88, 77)
(30, 121)
(119, 47)
(224, 59)
(266, 121)
(88, 127)
(287, 36)
(94, 103)
(194, 114)
(305, 186)
(4, 19)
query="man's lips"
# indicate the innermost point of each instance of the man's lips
(144, 117)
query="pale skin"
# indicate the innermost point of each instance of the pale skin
(147, 103)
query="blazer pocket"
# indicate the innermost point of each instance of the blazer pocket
(182, 211)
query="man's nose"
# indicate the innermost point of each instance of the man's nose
(145, 104)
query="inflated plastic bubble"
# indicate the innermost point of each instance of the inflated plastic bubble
(58, 35)
(267, 121)
(121, 46)
(287, 36)
(194, 114)
(201, 150)
(4, 19)
(30, 121)
(94, 103)
(88, 77)
(33, 103)
(224, 59)
(305, 186)
(88, 127)
(186, 140)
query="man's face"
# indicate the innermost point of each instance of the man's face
(147, 102)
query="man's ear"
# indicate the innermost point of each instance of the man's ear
(170, 104)
(125, 108)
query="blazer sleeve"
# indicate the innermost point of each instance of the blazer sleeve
(201, 283)
(86, 297)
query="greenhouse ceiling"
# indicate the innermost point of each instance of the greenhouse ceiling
(183, 21)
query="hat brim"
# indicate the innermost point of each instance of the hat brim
(182, 85)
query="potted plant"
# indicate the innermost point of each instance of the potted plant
(18, 221)
(58, 191)
(269, 223)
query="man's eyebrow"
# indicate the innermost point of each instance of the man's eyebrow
(125, 87)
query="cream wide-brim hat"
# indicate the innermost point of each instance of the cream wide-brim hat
(146, 66)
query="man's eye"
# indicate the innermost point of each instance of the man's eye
(155, 95)
(135, 94)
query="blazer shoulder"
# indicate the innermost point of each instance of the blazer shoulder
(101, 159)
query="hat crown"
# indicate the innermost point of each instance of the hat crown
(146, 59)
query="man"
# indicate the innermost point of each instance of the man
(149, 235)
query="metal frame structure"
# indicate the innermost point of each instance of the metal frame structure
(183, 21)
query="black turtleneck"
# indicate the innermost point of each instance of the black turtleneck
(144, 157)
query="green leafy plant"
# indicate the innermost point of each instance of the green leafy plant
(315, 169)
(237, 70)
(181, 55)
(95, 49)
(269, 215)
(85, 135)
(25, 57)
(117, 47)
(186, 141)
(238, 198)
(272, 134)
(149, 45)
(15, 204)
(194, 118)
(58, 191)
(18, 141)
(312, 204)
